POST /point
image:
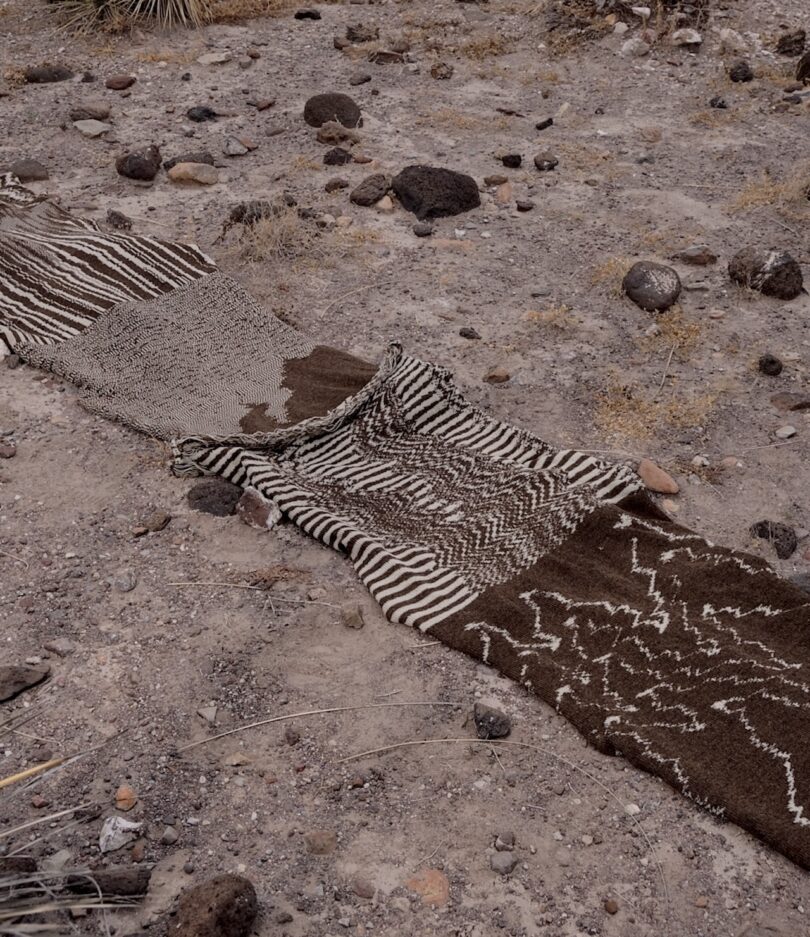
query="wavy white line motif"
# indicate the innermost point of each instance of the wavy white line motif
(674, 663)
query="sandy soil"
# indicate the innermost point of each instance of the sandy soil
(646, 168)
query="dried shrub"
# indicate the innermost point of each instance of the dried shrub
(283, 235)
(625, 410)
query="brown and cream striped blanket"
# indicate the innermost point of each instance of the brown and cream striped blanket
(689, 659)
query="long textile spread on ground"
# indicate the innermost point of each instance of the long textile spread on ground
(691, 660)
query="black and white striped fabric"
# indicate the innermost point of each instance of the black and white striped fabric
(58, 273)
(432, 500)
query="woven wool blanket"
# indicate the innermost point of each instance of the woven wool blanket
(151, 332)
(690, 659)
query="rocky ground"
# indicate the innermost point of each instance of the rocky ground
(162, 624)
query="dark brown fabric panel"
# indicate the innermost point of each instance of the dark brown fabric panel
(322, 380)
(694, 666)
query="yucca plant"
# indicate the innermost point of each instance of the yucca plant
(117, 15)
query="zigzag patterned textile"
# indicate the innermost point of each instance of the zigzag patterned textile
(691, 660)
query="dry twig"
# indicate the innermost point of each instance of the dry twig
(308, 712)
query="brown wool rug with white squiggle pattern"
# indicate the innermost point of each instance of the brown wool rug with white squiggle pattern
(689, 659)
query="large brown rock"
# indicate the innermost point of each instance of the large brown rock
(13, 680)
(225, 906)
(120, 82)
(27, 170)
(333, 106)
(430, 192)
(46, 74)
(370, 190)
(771, 272)
(656, 479)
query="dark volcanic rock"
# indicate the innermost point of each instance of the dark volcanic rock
(652, 286)
(140, 164)
(429, 192)
(791, 43)
(248, 213)
(118, 220)
(13, 680)
(224, 906)
(423, 229)
(370, 190)
(46, 74)
(27, 170)
(214, 496)
(115, 881)
(337, 156)
(335, 106)
(770, 365)
(741, 71)
(782, 537)
(199, 156)
(491, 723)
(333, 185)
(512, 160)
(201, 114)
(17, 865)
(359, 32)
(307, 14)
(772, 272)
(803, 69)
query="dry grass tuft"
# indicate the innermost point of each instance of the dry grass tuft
(793, 191)
(14, 76)
(306, 163)
(609, 274)
(448, 118)
(555, 317)
(485, 47)
(762, 191)
(359, 236)
(173, 56)
(676, 332)
(796, 186)
(236, 11)
(282, 236)
(624, 410)
(711, 118)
